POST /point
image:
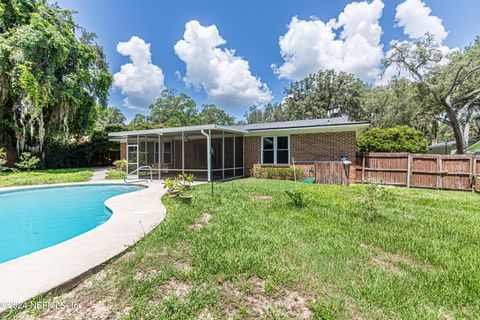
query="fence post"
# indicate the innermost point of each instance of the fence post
(439, 173)
(409, 168)
(473, 162)
(363, 167)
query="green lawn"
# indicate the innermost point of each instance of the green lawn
(22, 178)
(246, 252)
(114, 174)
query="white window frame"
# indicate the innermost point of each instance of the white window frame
(275, 149)
(171, 151)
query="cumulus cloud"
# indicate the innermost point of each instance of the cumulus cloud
(414, 16)
(140, 81)
(416, 20)
(313, 45)
(225, 77)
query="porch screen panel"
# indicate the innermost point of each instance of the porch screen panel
(217, 156)
(145, 153)
(228, 161)
(132, 153)
(238, 155)
(196, 151)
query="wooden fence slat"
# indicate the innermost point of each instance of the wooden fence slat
(474, 172)
(409, 170)
(435, 171)
(363, 168)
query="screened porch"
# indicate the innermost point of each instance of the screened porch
(211, 153)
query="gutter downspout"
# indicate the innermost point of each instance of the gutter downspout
(209, 154)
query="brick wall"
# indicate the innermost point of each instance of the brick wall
(323, 146)
(251, 153)
(308, 147)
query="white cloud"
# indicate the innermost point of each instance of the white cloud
(312, 45)
(415, 19)
(140, 81)
(225, 77)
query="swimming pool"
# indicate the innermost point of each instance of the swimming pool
(37, 218)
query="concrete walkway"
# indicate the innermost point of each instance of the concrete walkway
(64, 265)
(99, 174)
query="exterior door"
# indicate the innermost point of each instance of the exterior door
(132, 161)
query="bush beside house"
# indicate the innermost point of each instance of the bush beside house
(396, 139)
(276, 173)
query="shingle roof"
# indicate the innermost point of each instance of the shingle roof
(247, 127)
(296, 124)
(443, 144)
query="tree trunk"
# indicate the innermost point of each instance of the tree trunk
(466, 134)
(457, 129)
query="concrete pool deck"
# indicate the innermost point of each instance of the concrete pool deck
(63, 266)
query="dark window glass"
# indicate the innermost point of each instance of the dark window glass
(282, 156)
(267, 156)
(282, 143)
(156, 153)
(268, 143)
(167, 158)
(167, 146)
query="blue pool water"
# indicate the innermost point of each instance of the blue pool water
(35, 219)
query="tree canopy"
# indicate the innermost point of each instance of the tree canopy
(325, 94)
(401, 102)
(51, 81)
(109, 116)
(210, 113)
(173, 109)
(451, 79)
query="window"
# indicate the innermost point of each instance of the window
(275, 150)
(167, 152)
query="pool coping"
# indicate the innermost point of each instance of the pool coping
(64, 265)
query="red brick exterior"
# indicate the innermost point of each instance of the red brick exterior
(307, 147)
(323, 146)
(251, 153)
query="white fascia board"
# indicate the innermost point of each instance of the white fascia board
(358, 128)
(174, 130)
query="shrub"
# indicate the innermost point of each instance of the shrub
(397, 139)
(3, 159)
(121, 165)
(374, 195)
(114, 174)
(276, 173)
(97, 150)
(27, 161)
(299, 198)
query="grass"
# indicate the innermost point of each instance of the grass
(22, 178)
(247, 252)
(114, 174)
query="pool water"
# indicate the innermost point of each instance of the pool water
(38, 218)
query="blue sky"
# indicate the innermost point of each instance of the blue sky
(252, 29)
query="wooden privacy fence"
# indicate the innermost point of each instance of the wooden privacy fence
(324, 172)
(435, 171)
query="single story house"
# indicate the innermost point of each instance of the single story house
(213, 152)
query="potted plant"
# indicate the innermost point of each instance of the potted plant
(185, 197)
(188, 180)
(172, 187)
